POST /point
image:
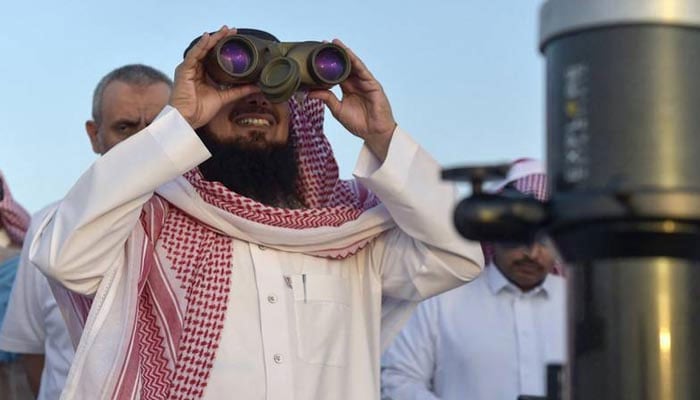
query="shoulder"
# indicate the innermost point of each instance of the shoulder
(476, 288)
(39, 216)
(556, 291)
(556, 283)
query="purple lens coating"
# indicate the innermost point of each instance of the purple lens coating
(235, 57)
(330, 64)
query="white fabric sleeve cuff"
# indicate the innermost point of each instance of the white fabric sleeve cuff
(178, 140)
(394, 170)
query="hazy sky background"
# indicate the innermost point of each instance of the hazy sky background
(464, 77)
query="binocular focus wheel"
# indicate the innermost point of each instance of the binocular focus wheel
(280, 78)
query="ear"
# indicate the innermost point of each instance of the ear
(92, 129)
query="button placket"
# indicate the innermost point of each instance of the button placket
(273, 319)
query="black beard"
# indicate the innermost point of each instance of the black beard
(267, 175)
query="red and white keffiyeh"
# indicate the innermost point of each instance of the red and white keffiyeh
(14, 219)
(528, 176)
(180, 313)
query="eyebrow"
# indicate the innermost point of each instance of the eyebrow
(126, 121)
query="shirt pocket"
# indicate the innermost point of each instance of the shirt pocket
(322, 316)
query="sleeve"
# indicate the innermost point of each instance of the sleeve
(425, 255)
(84, 236)
(23, 327)
(409, 364)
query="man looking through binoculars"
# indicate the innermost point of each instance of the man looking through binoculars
(220, 256)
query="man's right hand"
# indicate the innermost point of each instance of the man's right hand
(196, 99)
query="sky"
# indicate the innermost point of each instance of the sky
(464, 77)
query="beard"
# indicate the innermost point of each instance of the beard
(267, 174)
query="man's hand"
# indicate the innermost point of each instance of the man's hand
(364, 110)
(196, 99)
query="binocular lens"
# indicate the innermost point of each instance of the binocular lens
(236, 57)
(330, 64)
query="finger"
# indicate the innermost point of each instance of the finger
(218, 35)
(358, 67)
(231, 32)
(329, 99)
(199, 51)
(237, 93)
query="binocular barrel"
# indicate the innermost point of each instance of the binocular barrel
(279, 68)
(623, 129)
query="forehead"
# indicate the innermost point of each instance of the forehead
(122, 97)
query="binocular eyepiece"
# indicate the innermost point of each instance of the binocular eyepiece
(279, 68)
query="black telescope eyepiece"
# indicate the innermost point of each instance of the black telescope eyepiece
(508, 216)
(476, 175)
(500, 218)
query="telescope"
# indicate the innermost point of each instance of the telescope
(623, 130)
(279, 68)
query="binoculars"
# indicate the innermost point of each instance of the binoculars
(279, 68)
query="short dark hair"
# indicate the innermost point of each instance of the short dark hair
(133, 74)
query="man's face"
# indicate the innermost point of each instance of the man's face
(526, 266)
(253, 122)
(252, 153)
(126, 109)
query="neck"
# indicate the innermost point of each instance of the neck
(5, 240)
(8, 249)
(523, 287)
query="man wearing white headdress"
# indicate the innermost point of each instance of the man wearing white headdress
(493, 338)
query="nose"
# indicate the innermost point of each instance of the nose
(535, 250)
(257, 99)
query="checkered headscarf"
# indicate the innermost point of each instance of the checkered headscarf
(527, 176)
(14, 219)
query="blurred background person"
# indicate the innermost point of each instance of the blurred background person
(492, 338)
(124, 102)
(14, 220)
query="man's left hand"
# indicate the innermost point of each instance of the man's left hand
(364, 110)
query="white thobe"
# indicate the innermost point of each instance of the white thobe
(33, 325)
(298, 326)
(486, 340)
